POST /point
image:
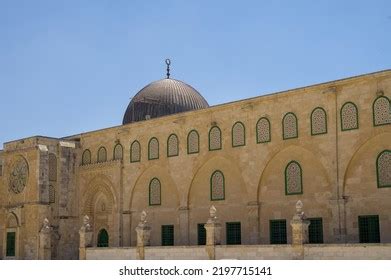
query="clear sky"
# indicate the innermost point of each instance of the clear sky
(72, 66)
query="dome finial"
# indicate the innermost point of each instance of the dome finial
(168, 62)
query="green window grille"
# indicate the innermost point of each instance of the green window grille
(167, 235)
(11, 241)
(234, 235)
(369, 231)
(103, 238)
(201, 234)
(315, 230)
(278, 232)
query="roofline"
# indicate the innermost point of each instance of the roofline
(329, 83)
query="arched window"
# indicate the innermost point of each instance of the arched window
(118, 152)
(263, 130)
(349, 116)
(172, 146)
(381, 111)
(135, 151)
(86, 157)
(155, 192)
(289, 126)
(103, 238)
(52, 194)
(193, 142)
(214, 138)
(217, 186)
(238, 134)
(52, 167)
(383, 169)
(318, 121)
(293, 178)
(102, 154)
(153, 148)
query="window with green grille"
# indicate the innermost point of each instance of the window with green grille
(278, 232)
(201, 234)
(234, 235)
(315, 230)
(369, 229)
(11, 244)
(167, 235)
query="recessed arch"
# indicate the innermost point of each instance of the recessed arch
(102, 154)
(153, 148)
(193, 142)
(135, 151)
(86, 157)
(263, 130)
(118, 152)
(318, 121)
(349, 116)
(215, 138)
(172, 145)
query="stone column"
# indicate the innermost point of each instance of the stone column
(299, 224)
(85, 234)
(184, 225)
(213, 233)
(253, 222)
(143, 231)
(44, 252)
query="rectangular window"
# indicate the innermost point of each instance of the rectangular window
(167, 235)
(201, 234)
(278, 232)
(10, 244)
(234, 235)
(369, 231)
(315, 230)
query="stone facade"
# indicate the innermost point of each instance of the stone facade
(107, 174)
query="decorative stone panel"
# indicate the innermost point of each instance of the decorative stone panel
(214, 138)
(52, 167)
(289, 126)
(263, 130)
(238, 135)
(193, 142)
(381, 111)
(153, 149)
(383, 166)
(318, 121)
(217, 186)
(172, 145)
(155, 192)
(118, 152)
(349, 116)
(102, 154)
(135, 152)
(293, 178)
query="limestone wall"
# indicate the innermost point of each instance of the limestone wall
(251, 252)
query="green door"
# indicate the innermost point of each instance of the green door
(11, 241)
(201, 234)
(233, 233)
(103, 238)
(167, 235)
(369, 229)
(315, 230)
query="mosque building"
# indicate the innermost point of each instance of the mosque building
(174, 156)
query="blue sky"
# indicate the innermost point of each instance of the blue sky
(72, 66)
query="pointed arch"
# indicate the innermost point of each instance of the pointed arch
(86, 157)
(383, 169)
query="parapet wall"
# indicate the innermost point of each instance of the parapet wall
(253, 252)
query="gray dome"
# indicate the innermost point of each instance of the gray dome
(161, 98)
